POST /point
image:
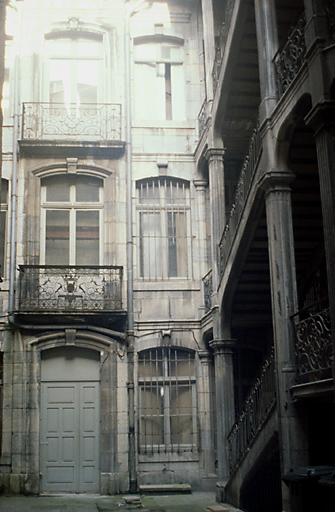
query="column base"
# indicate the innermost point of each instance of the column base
(220, 494)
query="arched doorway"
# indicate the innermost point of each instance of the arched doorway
(70, 420)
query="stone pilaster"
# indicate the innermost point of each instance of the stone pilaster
(206, 416)
(284, 305)
(209, 44)
(267, 42)
(214, 157)
(200, 187)
(224, 392)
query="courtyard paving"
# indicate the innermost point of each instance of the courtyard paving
(194, 502)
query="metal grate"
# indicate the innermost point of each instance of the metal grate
(164, 231)
(167, 401)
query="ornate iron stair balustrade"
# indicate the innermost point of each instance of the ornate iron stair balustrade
(257, 408)
(69, 288)
(330, 10)
(314, 348)
(56, 121)
(222, 39)
(290, 59)
(242, 191)
(203, 117)
(208, 290)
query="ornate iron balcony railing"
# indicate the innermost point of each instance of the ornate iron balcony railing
(290, 59)
(203, 118)
(242, 191)
(69, 288)
(208, 290)
(257, 408)
(314, 348)
(56, 121)
(222, 39)
(330, 10)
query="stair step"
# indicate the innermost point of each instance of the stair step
(166, 488)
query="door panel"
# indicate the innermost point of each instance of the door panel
(70, 437)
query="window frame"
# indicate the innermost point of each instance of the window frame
(3, 223)
(154, 248)
(167, 383)
(168, 92)
(50, 55)
(72, 206)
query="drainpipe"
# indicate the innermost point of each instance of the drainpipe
(12, 264)
(130, 277)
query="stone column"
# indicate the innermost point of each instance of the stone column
(209, 44)
(322, 119)
(200, 187)
(284, 305)
(224, 392)
(206, 415)
(214, 157)
(267, 42)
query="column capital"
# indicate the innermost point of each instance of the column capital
(214, 154)
(321, 114)
(276, 181)
(205, 356)
(222, 346)
(200, 185)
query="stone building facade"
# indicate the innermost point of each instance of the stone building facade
(167, 253)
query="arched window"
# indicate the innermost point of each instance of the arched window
(163, 216)
(72, 209)
(167, 400)
(159, 81)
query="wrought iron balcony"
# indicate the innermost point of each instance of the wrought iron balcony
(208, 290)
(290, 59)
(242, 191)
(222, 39)
(314, 348)
(69, 289)
(257, 409)
(72, 122)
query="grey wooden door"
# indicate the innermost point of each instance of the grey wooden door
(69, 456)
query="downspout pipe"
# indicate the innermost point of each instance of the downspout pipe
(130, 267)
(12, 264)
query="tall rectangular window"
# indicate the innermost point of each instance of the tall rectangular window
(72, 209)
(163, 213)
(73, 69)
(167, 400)
(3, 224)
(159, 82)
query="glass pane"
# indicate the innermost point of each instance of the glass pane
(87, 238)
(87, 81)
(60, 81)
(150, 245)
(177, 244)
(181, 363)
(57, 189)
(2, 241)
(150, 363)
(87, 190)
(88, 48)
(148, 192)
(4, 191)
(57, 237)
(152, 419)
(181, 414)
